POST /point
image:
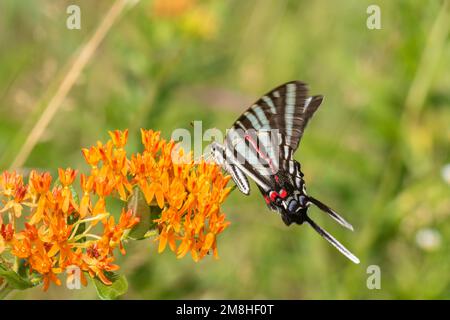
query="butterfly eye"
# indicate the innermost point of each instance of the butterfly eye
(283, 193)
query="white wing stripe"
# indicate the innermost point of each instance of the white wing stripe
(240, 125)
(261, 116)
(307, 102)
(253, 120)
(291, 167)
(270, 104)
(248, 173)
(289, 111)
(239, 178)
(286, 152)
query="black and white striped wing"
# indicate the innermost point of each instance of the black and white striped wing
(251, 153)
(268, 133)
(287, 108)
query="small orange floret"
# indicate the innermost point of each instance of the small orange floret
(119, 138)
(66, 177)
(92, 156)
(40, 182)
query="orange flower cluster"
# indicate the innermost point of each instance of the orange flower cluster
(190, 195)
(57, 232)
(194, 18)
(50, 240)
(174, 8)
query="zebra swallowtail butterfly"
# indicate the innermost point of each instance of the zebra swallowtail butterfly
(261, 145)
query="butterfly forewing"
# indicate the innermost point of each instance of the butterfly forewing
(268, 133)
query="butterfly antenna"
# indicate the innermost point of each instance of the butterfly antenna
(331, 212)
(206, 157)
(332, 240)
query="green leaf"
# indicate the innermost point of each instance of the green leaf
(118, 287)
(14, 279)
(74, 194)
(138, 205)
(22, 269)
(74, 218)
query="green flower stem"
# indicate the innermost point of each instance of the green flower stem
(83, 245)
(79, 222)
(97, 217)
(86, 235)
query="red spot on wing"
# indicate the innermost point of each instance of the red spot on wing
(267, 199)
(273, 195)
(283, 194)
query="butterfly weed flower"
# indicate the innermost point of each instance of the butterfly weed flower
(191, 18)
(62, 228)
(171, 9)
(87, 186)
(66, 177)
(6, 235)
(49, 242)
(189, 195)
(39, 187)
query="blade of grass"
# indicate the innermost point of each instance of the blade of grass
(5, 291)
(418, 91)
(79, 63)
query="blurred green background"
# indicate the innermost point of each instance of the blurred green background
(377, 151)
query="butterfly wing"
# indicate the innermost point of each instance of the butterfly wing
(264, 138)
(270, 162)
(287, 108)
(240, 179)
(247, 156)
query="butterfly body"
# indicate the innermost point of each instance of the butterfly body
(261, 145)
